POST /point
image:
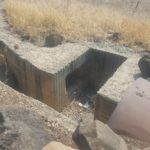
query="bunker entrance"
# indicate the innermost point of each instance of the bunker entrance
(84, 82)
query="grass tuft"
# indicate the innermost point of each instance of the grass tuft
(75, 20)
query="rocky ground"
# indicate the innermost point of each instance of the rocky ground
(18, 106)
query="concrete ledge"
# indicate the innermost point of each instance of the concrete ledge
(112, 92)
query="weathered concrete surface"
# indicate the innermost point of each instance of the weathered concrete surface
(124, 76)
(22, 129)
(46, 71)
(111, 93)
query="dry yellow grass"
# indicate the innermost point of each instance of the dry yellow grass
(75, 20)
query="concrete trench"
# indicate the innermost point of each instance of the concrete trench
(93, 75)
(86, 74)
(52, 74)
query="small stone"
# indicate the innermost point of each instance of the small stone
(98, 136)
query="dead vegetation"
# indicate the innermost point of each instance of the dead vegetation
(75, 20)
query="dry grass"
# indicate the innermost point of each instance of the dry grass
(75, 20)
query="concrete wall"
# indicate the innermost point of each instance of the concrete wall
(104, 108)
(61, 95)
(32, 81)
(112, 92)
(44, 86)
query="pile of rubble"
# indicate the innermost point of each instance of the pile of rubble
(98, 136)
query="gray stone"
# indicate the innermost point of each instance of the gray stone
(115, 37)
(22, 129)
(98, 136)
(53, 40)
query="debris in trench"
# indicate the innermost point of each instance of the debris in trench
(77, 112)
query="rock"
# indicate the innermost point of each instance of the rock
(98, 136)
(140, 44)
(16, 46)
(144, 65)
(53, 40)
(115, 36)
(21, 129)
(56, 146)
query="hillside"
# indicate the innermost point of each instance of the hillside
(128, 5)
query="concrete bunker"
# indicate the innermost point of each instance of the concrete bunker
(80, 78)
(84, 82)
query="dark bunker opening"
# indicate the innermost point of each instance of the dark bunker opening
(83, 83)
